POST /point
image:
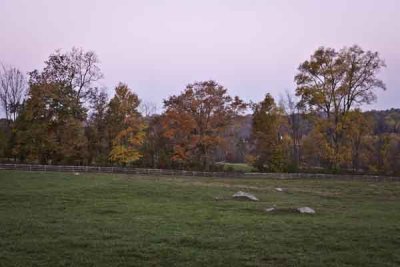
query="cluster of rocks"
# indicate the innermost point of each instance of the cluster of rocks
(304, 210)
(250, 197)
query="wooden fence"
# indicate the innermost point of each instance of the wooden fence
(322, 176)
(166, 172)
(140, 171)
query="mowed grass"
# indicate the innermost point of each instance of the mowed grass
(59, 219)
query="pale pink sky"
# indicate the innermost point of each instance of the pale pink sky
(157, 47)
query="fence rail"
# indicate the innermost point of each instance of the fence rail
(323, 176)
(167, 172)
(141, 171)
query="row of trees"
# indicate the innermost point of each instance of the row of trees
(59, 116)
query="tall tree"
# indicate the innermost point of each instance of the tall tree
(267, 137)
(294, 117)
(126, 126)
(333, 83)
(5, 133)
(12, 91)
(195, 121)
(49, 112)
(357, 126)
(97, 129)
(155, 149)
(55, 108)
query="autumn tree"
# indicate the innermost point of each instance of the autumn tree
(332, 83)
(125, 126)
(97, 129)
(196, 120)
(76, 69)
(357, 127)
(55, 109)
(49, 113)
(268, 149)
(385, 155)
(313, 149)
(156, 151)
(153, 148)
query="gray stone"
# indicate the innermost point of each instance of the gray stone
(244, 196)
(269, 209)
(306, 210)
(279, 189)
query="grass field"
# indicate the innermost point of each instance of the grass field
(59, 219)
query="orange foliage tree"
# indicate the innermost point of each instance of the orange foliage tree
(195, 121)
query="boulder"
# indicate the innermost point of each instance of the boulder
(244, 196)
(279, 189)
(270, 209)
(306, 210)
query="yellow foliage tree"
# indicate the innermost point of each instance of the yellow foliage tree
(126, 126)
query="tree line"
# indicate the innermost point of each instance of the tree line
(58, 115)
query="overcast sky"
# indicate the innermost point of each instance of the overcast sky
(158, 46)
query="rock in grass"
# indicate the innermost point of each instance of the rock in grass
(306, 210)
(76, 173)
(279, 189)
(245, 196)
(270, 209)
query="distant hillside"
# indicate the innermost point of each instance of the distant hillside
(385, 121)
